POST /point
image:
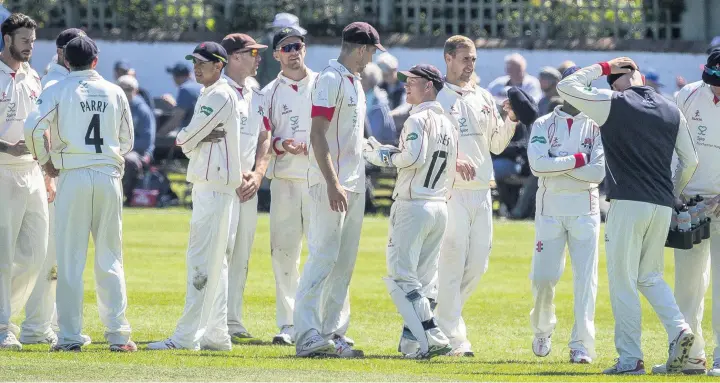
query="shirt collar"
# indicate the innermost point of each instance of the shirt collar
(461, 91)
(344, 71)
(84, 73)
(433, 105)
(220, 81)
(561, 114)
(54, 67)
(295, 84)
(22, 70)
(243, 89)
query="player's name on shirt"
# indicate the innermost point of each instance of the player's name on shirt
(93, 106)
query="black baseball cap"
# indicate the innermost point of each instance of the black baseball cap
(426, 71)
(240, 41)
(611, 78)
(711, 72)
(362, 33)
(523, 106)
(209, 51)
(286, 33)
(80, 51)
(65, 36)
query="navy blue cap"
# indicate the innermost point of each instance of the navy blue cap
(570, 71)
(611, 78)
(80, 51)
(181, 68)
(425, 71)
(523, 106)
(122, 65)
(65, 36)
(711, 71)
(286, 33)
(209, 51)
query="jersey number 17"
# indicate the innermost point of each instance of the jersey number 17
(92, 136)
(437, 154)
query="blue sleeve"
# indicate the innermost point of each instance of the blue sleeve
(145, 131)
(186, 100)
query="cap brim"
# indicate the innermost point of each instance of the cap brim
(195, 56)
(380, 47)
(302, 38)
(404, 75)
(256, 46)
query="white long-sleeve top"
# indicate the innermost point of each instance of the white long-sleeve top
(250, 120)
(565, 153)
(214, 166)
(481, 131)
(89, 122)
(428, 153)
(19, 92)
(286, 114)
(701, 109)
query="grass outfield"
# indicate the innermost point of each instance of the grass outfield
(497, 317)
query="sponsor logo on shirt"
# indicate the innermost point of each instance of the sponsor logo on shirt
(39, 101)
(443, 139)
(538, 139)
(352, 102)
(701, 129)
(411, 136)
(11, 112)
(294, 123)
(286, 110)
(697, 117)
(206, 110)
(4, 97)
(554, 143)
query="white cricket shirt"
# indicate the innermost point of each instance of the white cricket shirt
(249, 102)
(428, 153)
(481, 131)
(557, 151)
(56, 72)
(338, 97)
(286, 114)
(19, 92)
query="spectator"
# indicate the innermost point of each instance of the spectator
(270, 67)
(395, 88)
(4, 14)
(144, 124)
(652, 79)
(184, 106)
(122, 68)
(680, 83)
(516, 75)
(549, 77)
(378, 119)
(567, 64)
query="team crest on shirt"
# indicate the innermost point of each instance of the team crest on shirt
(587, 143)
(206, 110)
(294, 123)
(697, 117)
(485, 110)
(260, 111)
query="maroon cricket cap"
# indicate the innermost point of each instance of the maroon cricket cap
(362, 33)
(239, 41)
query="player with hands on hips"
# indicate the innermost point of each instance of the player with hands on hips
(286, 115)
(216, 175)
(426, 163)
(565, 153)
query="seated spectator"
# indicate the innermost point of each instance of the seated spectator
(394, 88)
(122, 68)
(516, 75)
(184, 105)
(549, 78)
(378, 117)
(144, 124)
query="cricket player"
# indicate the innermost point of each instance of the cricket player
(212, 142)
(699, 102)
(90, 165)
(468, 238)
(418, 217)
(23, 202)
(286, 114)
(243, 60)
(639, 130)
(565, 153)
(336, 179)
(40, 325)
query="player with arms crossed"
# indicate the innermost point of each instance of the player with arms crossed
(90, 163)
(418, 217)
(212, 142)
(565, 153)
(468, 239)
(336, 179)
(243, 60)
(286, 114)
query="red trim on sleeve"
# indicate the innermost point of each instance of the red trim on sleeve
(605, 68)
(277, 151)
(716, 99)
(266, 123)
(322, 111)
(579, 160)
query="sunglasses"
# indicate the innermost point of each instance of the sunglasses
(253, 52)
(292, 47)
(712, 71)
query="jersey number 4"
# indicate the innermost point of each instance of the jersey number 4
(443, 155)
(92, 137)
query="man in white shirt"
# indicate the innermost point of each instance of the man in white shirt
(468, 238)
(418, 217)
(699, 102)
(90, 164)
(336, 179)
(243, 60)
(565, 153)
(286, 114)
(640, 130)
(40, 325)
(516, 75)
(24, 223)
(212, 142)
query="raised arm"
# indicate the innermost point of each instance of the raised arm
(499, 131)
(578, 91)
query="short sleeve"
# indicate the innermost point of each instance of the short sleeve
(325, 95)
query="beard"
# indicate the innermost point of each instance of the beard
(17, 55)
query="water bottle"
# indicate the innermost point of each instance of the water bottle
(674, 220)
(692, 209)
(702, 214)
(684, 219)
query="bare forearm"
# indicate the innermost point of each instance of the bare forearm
(321, 150)
(262, 153)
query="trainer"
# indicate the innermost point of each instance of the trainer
(639, 129)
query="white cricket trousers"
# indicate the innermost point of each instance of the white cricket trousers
(88, 201)
(213, 226)
(238, 263)
(692, 277)
(23, 236)
(322, 301)
(40, 314)
(463, 259)
(289, 220)
(635, 237)
(581, 234)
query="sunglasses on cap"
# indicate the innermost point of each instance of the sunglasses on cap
(292, 47)
(712, 71)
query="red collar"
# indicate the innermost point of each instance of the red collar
(716, 99)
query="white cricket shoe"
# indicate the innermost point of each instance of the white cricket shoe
(580, 357)
(285, 337)
(433, 351)
(679, 350)
(637, 368)
(541, 346)
(715, 370)
(315, 345)
(166, 344)
(8, 341)
(693, 366)
(86, 340)
(50, 338)
(344, 350)
(216, 346)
